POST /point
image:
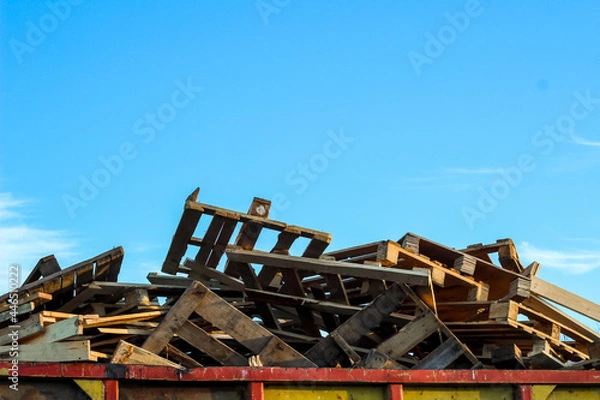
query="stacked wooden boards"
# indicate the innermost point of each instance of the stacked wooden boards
(242, 289)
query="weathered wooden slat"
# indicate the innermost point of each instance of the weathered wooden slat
(31, 326)
(293, 286)
(558, 316)
(207, 344)
(498, 278)
(209, 239)
(327, 353)
(175, 318)
(126, 353)
(565, 298)
(285, 239)
(77, 350)
(244, 330)
(198, 271)
(444, 355)
(222, 242)
(251, 280)
(63, 280)
(173, 353)
(61, 330)
(45, 266)
(250, 230)
(332, 267)
(185, 229)
(410, 335)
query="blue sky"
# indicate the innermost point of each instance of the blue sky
(461, 121)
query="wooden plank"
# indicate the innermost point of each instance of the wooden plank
(410, 335)
(267, 223)
(250, 230)
(508, 256)
(63, 280)
(507, 253)
(168, 280)
(276, 353)
(507, 356)
(251, 281)
(326, 353)
(222, 242)
(220, 313)
(20, 310)
(356, 251)
(565, 298)
(345, 347)
(465, 264)
(532, 269)
(207, 344)
(466, 352)
(377, 360)
(410, 242)
(65, 329)
(387, 253)
(77, 350)
(45, 266)
(326, 266)
(37, 299)
(209, 239)
(121, 319)
(285, 239)
(185, 229)
(244, 330)
(175, 318)
(554, 327)
(293, 286)
(173, 353)
(125, 331)
(82, 297)
(126, 353)
(317, 245)
(293, 301)
(441, 276)
(443, 356)
(541, 357)
(31, 326)
(251, 335)
(198, 271)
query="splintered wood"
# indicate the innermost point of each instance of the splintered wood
(241, 289)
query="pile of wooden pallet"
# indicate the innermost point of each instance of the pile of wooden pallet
(406, 304)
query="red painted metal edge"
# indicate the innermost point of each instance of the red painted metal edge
(273, 374)
(256, 391)
(525, 392)
(394, 392)
(111, 389)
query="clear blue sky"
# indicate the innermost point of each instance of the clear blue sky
(460, 121)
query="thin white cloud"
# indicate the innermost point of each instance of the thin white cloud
(24, 244)
(584, 142)
(451, 179)
(574, 261)
(474, 171)
(453, 187)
